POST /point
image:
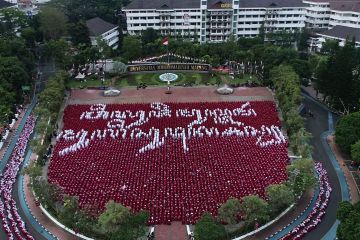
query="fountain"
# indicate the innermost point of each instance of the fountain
(168, 77)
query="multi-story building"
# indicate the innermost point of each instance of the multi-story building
(216, 20)
(325, 14)
(102, 30)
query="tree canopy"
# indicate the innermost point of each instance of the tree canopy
(338, 79)
(114, 215)
(207, 228)
(349, 216)
(229, 211)
(52, 23)
(255, 210)
(280, 197)
(347, 131)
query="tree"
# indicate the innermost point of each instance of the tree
(349, 216)
(301, 176)
(58, 50)
(79, 33)
(13, 75)
(12, 20)
(29, 35)
(355, 152)
(338, 80)
(131, 47)
(255, 210)
(7, 99)
(119, 68)
(301, 68)
(280, 197)
(149, 36)
(347, 131)
(69, 209)
(300, 142)
(52, 23)
(114, 215)
(132, 228)
(207, 228)
(229, 210)
(303, 39)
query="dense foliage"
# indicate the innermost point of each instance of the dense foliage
(349, 216)
(338, 77)
(207, 228)
(355, 152)
(347, 131)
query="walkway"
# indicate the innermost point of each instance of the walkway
(175, 231)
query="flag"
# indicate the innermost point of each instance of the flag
(165, 41)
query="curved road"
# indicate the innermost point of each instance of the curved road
(320, 123)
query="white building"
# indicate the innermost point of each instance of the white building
(99, 29)
(216, 20)
(337, 33)
(325, 14)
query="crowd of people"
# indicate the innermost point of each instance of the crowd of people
(318, 211)
(214, 122)
(172, 184)
(6, 129)
(12, 223)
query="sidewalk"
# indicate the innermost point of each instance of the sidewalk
(354, 193)
(175, 231)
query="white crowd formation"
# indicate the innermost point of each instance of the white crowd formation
(12, 223)
(203, 126)
(318, 211)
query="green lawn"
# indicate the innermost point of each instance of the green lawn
(245, 78)
(76, 83)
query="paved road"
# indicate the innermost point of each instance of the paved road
(47, 69)
(317, 125)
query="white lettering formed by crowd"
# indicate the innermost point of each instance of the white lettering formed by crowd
(117, 127)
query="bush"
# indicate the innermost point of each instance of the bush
(229, 211)
(347, 131)
(355, 152)
(207, 228)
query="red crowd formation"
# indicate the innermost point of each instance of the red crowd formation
(170, 183)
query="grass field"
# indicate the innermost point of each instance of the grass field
(75, 83)
(242, 79)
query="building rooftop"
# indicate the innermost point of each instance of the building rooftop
(342, 32)
(212, 4)
(163, 4)
(97, 26)
(5, 4)
(341, 5)
(271, 3)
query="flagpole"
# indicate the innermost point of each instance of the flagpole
(168, 53)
